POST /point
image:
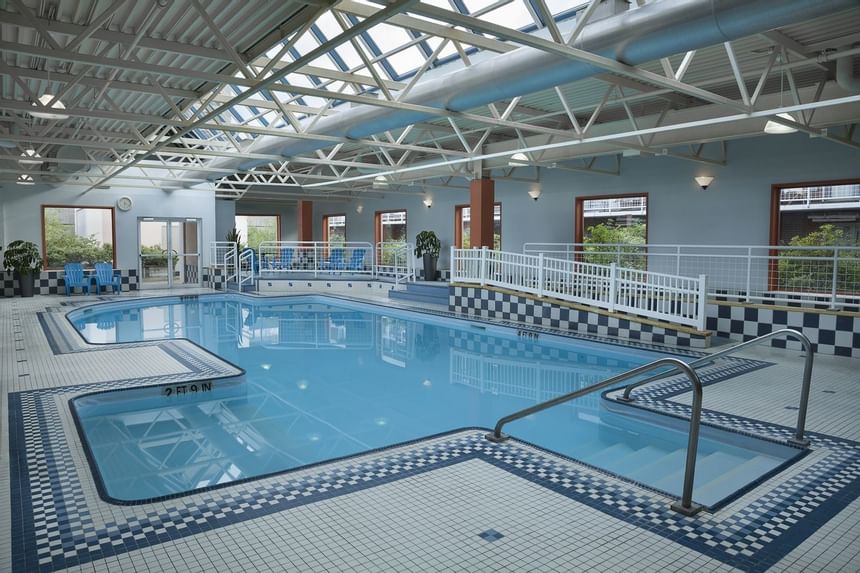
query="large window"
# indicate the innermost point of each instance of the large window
(811, 215)
(334, 229)
(77, 235)
(255, 229)
(613, 220)
(463, 226)
(390, 228)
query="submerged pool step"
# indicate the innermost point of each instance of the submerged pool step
(638, 459)
(706, 467)
(721, 485)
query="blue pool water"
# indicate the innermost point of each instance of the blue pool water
(327, 378)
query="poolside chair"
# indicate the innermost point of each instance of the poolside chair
(335, 261)
(356, 261)
(285, 261)
(74, 278)
(106, 279)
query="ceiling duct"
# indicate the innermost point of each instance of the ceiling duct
(657, 30)
(845, 75)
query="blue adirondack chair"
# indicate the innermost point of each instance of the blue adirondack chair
(335, 261)
(74, 278)
(106, 279)
(356, 261)
(285, 261)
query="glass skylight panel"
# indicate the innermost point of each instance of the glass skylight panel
(407, 60)
(513, 15)
(388, 37)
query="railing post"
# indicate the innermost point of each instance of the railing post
(613, 285)
(703, 301)
(540, 275)
(678, 260)
(483, 266)
(835, 277)
(749, 273)
(453, 264)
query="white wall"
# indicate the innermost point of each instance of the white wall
(22, 212)
(734, 210)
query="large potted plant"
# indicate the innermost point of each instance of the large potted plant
(427, 245)
(23, 259)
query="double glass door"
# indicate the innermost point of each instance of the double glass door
(169, 252)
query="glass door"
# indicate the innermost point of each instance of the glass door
(169, 252)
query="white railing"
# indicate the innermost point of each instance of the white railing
(223, 256)
(316, 257)
(245, 269)
(676, 299)
(395, 259)
(829, 275)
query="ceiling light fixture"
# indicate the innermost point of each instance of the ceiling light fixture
(535, 192)
(45, 100)
(774, 127)
(30, 157)
(518, 160)
(380, 182)
(703, 181)
(25, 179)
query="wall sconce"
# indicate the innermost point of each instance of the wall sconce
(535, 192)
(518, 160)
(703, 181)
(359, 208)
(428, 202)
(25, 179)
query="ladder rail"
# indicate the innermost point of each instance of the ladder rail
(685, 505)
(798, 438)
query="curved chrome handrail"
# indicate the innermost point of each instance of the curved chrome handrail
(798, 438)
(686, 505)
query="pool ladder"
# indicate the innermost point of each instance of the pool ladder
(685, 505)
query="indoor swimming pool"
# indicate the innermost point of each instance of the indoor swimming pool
(327, 378)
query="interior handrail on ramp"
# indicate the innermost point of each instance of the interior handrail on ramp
(685, 505)
(798, 438)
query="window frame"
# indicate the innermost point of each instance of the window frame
(458, 223)
(579, 213)
(377, 223)
(61, 206)
(275, 215)
(325, 226)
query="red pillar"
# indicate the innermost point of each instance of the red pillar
(483, 200)
(305, 223)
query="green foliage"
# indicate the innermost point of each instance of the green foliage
(235, 236)
(427, 243)
(798, 273)
(22, 257)
(257, 235)
(63, 246)
(626, 254)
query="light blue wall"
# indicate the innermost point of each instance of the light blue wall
(22, 213)
(734, 210)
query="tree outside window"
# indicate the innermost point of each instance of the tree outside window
(612, 228)
(77, 235)
(258, 228)
(463, 216)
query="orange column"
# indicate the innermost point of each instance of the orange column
(483, 200)
(305, 223)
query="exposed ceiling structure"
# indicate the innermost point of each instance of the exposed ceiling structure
(283, 100)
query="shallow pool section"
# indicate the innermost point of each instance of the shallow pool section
(326, 379)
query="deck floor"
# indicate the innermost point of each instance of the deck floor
(453, 502)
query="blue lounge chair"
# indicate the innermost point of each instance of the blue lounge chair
(335, 261)
(285, 261)
(105, 278)
(356, 261)
(74, 278)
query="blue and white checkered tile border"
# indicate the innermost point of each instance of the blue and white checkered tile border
(52, 282)
(830, 333)
(54, 526)
(489, 303)
(215, 277)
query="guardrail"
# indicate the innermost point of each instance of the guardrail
(676, 299)
(231, 265)
(816, 274)
(245, 268)
(223, 255)
(395, 259)
(316, 257)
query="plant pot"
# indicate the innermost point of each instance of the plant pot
(429, 268)
(25, 284)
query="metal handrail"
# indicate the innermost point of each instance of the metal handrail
(686, 505)
(798, 438)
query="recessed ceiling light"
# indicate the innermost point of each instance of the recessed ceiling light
(45, 100)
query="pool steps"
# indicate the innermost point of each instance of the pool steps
(430, 293)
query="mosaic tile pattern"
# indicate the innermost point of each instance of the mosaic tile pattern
(828, 333)
(490, 303)
(52, 282)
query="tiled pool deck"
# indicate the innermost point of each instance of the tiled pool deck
(449, 503)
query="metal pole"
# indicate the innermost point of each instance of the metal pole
(834, 278)
(703, 300)
(749, 272)
(613, 286)
(483, 266)
(540, 275)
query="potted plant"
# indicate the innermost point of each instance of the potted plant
(23, 259)
(234, 235)
(427, 245)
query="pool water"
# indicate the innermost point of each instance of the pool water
(327, 378)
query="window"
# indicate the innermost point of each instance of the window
(463, 226)
(254, 229)
(77, 235)
(390, 228)
(820, 214)
(334, 229)
(613, 220)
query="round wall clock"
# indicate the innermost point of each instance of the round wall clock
(124, 203)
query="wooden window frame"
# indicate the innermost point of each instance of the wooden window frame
(579, 213)
(458, 222)
(325, 225)
(377, 223)
(59, 206)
